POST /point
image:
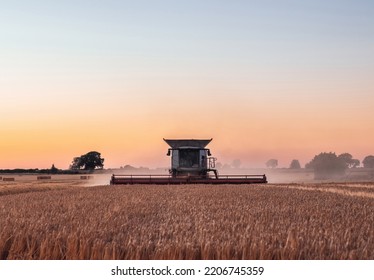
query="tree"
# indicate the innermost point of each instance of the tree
(355, 163)
(128, 167)
(76, 163)
(349, 160)
(327, 165)
(295, 164)
(54, 170)
(272, 163)
(89, 161)
(368, 162)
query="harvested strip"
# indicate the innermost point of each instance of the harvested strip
(338, 190)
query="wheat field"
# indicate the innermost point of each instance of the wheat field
(297, 221)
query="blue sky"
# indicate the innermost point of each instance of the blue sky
(194, 38)
(151, 60)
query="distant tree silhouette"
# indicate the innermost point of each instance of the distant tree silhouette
(355, 163)
(76, 163)
(128, 167)
(368, 162)
(349, 160)
(272, 163)
(54, 169)
(89, 161)
(327, 165)
(295, 164)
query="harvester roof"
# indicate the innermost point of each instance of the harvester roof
(182, 143)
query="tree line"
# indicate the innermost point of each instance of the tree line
(84, 163)
(328, 165)
(324, 165)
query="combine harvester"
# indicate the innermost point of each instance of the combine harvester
(190, 164)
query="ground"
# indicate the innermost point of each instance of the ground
(66, 217)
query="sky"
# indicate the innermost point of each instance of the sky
(281, 79)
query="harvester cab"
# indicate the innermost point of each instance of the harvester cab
(190, 158)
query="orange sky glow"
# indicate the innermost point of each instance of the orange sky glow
(260, 88)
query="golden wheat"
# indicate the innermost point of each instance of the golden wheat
(187, 222)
